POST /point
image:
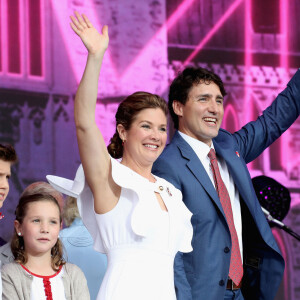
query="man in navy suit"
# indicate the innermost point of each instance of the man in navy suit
(196, 106)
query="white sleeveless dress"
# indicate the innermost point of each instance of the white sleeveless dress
(140, 239)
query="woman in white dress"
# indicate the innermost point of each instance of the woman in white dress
(136, 218)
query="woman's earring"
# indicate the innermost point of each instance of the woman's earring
(19, 234)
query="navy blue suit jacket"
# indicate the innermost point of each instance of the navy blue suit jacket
(203, 273)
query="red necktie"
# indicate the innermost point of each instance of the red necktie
(236, 266)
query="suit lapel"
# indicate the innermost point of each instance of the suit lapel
(238, 170)
(195, 166)
(235, 164)
(241, 177)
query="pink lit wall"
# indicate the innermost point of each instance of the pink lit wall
(253, 45)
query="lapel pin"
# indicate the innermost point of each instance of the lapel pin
(168, 191)
(236, 152)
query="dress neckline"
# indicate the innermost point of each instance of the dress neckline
(46, 281)
(42, 276)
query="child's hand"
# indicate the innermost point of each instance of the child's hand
(94, 41)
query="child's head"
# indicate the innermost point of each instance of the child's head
(8, 157)
(37, 225)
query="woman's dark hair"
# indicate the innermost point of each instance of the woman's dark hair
(17, 243)
(126, 114)
(184, 81)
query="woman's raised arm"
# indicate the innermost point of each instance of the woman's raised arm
(93, 153)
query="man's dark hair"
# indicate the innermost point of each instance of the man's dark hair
(184, 81)
(8, 153)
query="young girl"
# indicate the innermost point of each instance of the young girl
(39, 271)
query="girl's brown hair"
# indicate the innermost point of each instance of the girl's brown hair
(17, 243)
(126, 113)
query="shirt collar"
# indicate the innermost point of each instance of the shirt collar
(200, 148)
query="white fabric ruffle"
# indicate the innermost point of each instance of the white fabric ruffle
(144, 209)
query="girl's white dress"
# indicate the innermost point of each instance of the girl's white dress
(139, 238)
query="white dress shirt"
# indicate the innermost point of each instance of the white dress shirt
(201, 149)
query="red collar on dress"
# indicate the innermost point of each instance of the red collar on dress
(46, 281)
